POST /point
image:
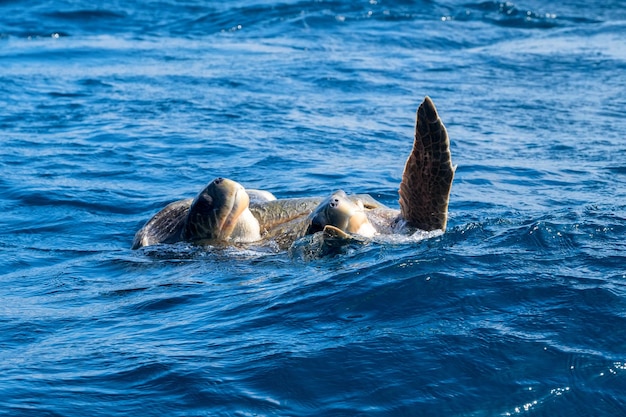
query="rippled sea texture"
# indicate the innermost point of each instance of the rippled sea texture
(109, 112)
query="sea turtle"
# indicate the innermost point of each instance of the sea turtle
(219, 213)
(424, 190)
(224, 212)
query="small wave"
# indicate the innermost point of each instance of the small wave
(213, 253)
(406, 239)
(508, 14)
(85, 15)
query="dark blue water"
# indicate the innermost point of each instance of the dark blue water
(109, 112)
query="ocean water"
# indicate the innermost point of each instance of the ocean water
(109, 112)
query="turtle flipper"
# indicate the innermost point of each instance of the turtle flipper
(428, 173)
(334, 237)
(332, 232)
(164, 227)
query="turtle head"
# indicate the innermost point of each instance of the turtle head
(340, 211)
(215, 211)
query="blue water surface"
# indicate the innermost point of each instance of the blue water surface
(110, 111)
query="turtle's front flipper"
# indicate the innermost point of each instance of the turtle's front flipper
(332, 232)
(164, 227)
(335, 239)
(428, 173)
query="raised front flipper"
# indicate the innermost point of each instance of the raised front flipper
(428, 173)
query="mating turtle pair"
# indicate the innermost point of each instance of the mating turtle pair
(224, 212)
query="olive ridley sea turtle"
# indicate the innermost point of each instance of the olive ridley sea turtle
(226, 213)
